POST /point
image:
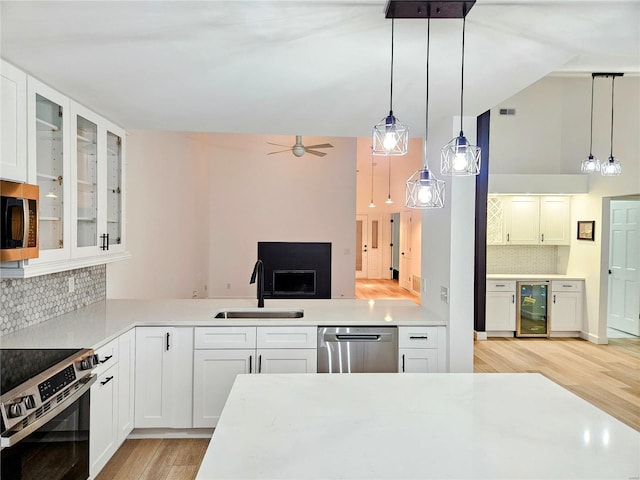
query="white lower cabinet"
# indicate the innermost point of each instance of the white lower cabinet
(500, 312)
(221, 353)
(163, 377)
(126, 383)
(103, 441)
(421, 350)
(566, 306)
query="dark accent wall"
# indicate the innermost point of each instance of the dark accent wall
(482, 190)
(297, 256)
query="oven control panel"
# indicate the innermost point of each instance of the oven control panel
(57, 382)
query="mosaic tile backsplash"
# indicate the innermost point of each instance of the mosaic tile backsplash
(28, 301)
(532, 259)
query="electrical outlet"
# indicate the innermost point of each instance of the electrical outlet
(228, 286)
(444, 294)
(72, 284)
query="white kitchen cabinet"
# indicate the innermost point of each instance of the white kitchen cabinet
(500, 312)
(13, 124)
(126, 383)
(421, 349)
(163, 377)
(528, 220)
(221, 353)
(103, 441)
(567, 299)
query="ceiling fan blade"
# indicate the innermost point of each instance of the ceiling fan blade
(322, 145)
(279, 151)
(279, 144)
(313, 152)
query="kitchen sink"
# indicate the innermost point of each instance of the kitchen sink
(260, 313)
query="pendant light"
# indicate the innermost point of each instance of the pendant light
(390, 137)
(590, 164)
(423, 190)
(372, 205)
(458, 157)
(612, 166)
(388, 201)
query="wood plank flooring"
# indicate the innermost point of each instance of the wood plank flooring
(376, 289)
(607, 376)
(156, 459)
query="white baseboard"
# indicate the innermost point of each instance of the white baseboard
(171, 433)
(565, 334)
(479, 335)
(503, 334)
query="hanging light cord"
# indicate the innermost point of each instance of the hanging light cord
(391, 96)
(593, 78)
(371, 179)
(426, 106)
(389, 160)
(613, 80)
(464, 20)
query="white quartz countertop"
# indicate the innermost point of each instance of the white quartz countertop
(415, 426)
(95, 325)
(523, 276)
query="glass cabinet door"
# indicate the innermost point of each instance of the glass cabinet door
(50, 172)
(86, 183)
(114, 189)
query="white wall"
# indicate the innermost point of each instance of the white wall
(550, 134)
(167, 218)
(257, 197)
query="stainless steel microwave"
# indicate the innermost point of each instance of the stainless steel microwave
(19, 228)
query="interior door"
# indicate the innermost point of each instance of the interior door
(362, 238)
(624, 267)
(405, 250)
(374, 250)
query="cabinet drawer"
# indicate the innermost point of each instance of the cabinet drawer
(501, 286)
(107, 356)
(417, 337)
(225, 337)
(566, 286)
(287, 337)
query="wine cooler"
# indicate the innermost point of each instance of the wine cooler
(532, 316)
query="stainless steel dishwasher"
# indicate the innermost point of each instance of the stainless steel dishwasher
(357, 349)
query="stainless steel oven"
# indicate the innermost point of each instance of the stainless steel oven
(45, 402)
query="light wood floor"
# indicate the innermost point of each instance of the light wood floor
(383, 289)
(607, 376)
(155, 459)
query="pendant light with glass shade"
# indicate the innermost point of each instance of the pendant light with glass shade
(390, 137)
(423, 190)
(458, 157)
(590, 164)
(612, 166)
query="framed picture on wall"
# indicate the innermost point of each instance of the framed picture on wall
(586, 230)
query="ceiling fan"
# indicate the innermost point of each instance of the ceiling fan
(299, 149)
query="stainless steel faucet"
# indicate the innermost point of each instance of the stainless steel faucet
(258, 269)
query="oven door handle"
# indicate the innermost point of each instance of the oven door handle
(12, 439)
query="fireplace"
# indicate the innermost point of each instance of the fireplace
(296, 269)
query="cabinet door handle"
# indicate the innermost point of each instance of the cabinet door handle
(107, 242)
(259, 363)
(500, 285)
(513, 298)
(168, 342)
(250, 363)
(507, 238)
(106, 359)
(418, 337)
(108, 379)
(403, 362)
(567, 286)
(542, 238)
(554, 298)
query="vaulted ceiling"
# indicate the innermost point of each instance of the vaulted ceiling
(309, 67)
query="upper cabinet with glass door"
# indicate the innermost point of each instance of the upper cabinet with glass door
(98, 186)
(49, 167)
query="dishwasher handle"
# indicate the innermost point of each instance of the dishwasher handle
(356, 337)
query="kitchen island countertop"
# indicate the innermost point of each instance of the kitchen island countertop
(97, 324)
(415, 426)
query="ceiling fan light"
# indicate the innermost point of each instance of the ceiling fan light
(390, 137)
(611, 167)
(459, 158)
(590, 165)
(424, 191)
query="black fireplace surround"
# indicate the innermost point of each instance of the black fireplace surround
(296, 269)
